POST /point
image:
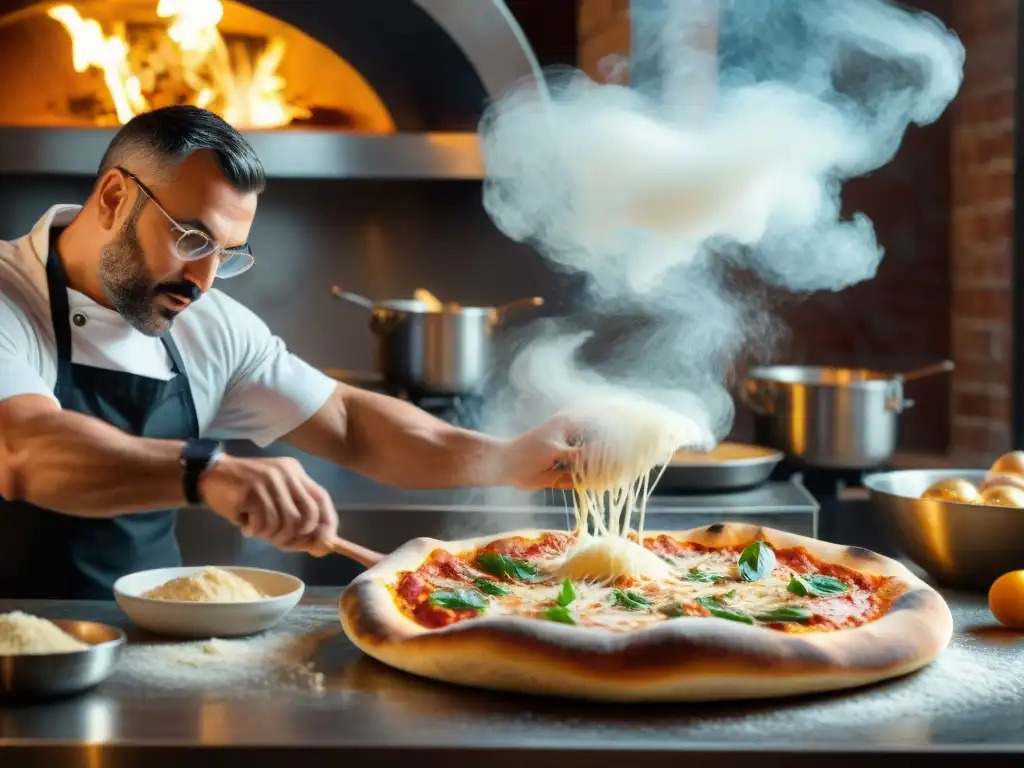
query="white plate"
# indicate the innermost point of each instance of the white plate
(179, 618)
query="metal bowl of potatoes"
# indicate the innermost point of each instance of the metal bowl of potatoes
(964, 527)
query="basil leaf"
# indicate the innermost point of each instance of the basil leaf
(506, 567)
(756, 561)
(633, 601)
(490, 587)
(703, 578)
(816, 585)
(566, 594)
(459, 600)
(560, 614)
(717, 609)
(673, 610)
(727, 595)
(786, 613)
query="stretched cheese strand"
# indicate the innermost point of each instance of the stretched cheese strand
(612, 480)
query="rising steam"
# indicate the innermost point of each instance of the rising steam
(663, 194)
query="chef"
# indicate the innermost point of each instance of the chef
(121, 369)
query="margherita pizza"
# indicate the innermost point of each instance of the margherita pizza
(730, 611)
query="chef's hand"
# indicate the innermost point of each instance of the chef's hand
(272, 499)
(543, 456)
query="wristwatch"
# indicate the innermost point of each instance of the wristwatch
(196, 457)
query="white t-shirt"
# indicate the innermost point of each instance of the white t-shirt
(246, 385)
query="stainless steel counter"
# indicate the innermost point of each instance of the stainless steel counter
(969, 701)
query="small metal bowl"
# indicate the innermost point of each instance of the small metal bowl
(729, 467)
(957, 544)
(55, 675)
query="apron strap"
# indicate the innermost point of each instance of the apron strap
(58, 286)
(172, 349)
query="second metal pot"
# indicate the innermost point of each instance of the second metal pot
(835, 418)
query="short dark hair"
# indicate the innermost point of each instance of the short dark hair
(167, 136)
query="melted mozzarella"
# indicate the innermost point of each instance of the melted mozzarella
(606, 558)
(612, 482)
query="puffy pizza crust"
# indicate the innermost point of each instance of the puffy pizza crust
(699, 659)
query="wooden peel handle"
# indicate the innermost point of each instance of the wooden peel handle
(352, 551)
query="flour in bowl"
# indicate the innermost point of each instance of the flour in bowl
(22, 634)
(211, 585)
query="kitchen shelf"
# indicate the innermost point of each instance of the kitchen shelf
(286, 153)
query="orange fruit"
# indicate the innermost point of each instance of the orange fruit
(1006, 599)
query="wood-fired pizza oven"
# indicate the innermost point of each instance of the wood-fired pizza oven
(327, 89)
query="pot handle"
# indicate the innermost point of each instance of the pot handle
(895, 402)
(894, 399)
(761, 400)
(499, 311)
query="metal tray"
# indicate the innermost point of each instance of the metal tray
(729, 467)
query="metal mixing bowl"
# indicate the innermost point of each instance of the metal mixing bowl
(63, 674)
(959, 545)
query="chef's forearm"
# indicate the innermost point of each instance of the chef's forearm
(396, 443)
(79, 465)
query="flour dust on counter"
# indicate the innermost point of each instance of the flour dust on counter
(975, 674)
(232, 667)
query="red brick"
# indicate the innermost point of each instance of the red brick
(977, 388)
(982, 303)
(974, 371)
(592, 15)
(995, 58)
(983, 406)
(979, 184)
(974, 341)
(980, 435)
(998, 97)
(980, 224)
(986, 255)
(990, 274)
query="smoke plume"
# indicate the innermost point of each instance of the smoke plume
(686, 196)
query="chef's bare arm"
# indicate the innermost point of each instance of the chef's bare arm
(398, 444)
(72, 463)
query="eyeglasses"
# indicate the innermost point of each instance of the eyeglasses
(196, 245)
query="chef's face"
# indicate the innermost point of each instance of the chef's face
(141, 271)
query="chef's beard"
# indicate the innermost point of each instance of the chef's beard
(130, 286)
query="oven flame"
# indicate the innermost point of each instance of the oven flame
(198, 66)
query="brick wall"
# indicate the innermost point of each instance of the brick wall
(982, 229)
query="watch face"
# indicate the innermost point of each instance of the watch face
(201, 449)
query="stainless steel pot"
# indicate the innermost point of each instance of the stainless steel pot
(433, 349)
(836, 418)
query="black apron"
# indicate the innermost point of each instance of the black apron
(47, 554)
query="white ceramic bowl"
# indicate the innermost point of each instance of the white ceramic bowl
(179, 618)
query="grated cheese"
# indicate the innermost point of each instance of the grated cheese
(212, 585)
(22, 634)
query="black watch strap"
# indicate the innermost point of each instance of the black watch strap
(196, 458)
